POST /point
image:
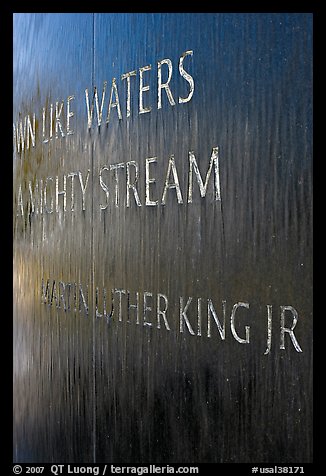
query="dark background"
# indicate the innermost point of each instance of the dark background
(87, 391)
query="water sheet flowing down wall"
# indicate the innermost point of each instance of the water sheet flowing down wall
(162, 237)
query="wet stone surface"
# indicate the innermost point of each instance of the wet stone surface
(162, 238)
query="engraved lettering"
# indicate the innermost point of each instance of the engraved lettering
(133, 306)
(104, 187)
(162, 312)
(183, 315)
(69, 115)
(24, 133)
(75, 297)
(146, 308)
(61, 294)
(269, 329)
(211, 311)
(142, 89)
(48, 179)
(19, 134)
(20, 204)
(132, 185)
(72, 175)
(58, 124)
(68, 287)
(164, 85)
(128, 76)
(203, 187)
(174, 184)
(115, 167)
(287, 329)
(45, 293)
(247, 328)
(120, 292)
(31, 196)
(83, 300)
(62, 288)
(99, 109)
(116, 103)
(62, 192)
(54, 294)
(51, 121)
(149, 180)
(186, 76)
(83, 186)
(97, 313)
(110, 316)
(199, 316)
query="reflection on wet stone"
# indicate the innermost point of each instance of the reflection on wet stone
(162, 238)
